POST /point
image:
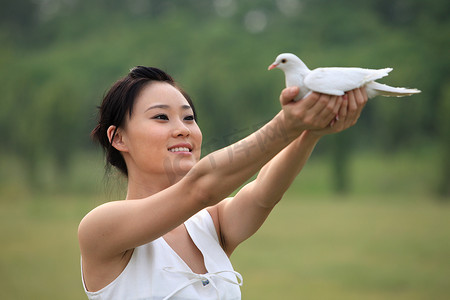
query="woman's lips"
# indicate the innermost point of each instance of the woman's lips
(183, 147)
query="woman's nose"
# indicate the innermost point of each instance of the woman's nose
(181, 130)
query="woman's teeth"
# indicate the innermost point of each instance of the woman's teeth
(179, 149)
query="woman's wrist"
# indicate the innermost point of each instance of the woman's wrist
(291, 128)
(312, 135)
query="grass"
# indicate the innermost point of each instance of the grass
(39, 254)
(320, 248)
(349, 249)
(388, 239)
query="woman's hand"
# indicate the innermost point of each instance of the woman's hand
(349, 112)
(314, 112)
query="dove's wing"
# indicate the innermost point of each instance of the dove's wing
(336, 81)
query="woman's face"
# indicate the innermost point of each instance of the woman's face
(161, 136)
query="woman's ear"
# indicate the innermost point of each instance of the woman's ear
(116, 139)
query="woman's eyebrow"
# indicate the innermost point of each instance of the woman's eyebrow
(165, 106)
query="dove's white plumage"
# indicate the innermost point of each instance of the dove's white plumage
(335, 81)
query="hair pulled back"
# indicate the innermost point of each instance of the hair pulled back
(119, 101)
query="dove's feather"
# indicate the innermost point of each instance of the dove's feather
(374, 89)
(337, 81)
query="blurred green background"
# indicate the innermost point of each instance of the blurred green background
(368, 218)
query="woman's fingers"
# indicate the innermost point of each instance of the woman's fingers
(343, 111)
(352, 106)
(310, 101)
(360, 98)
(288, 95)
(362, 93)
(331, 113)
(324, 110)
(320, 110)
(342, 114)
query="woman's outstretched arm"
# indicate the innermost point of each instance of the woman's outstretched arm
(238, 218)
(115, 227)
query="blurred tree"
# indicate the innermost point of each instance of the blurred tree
(341, 156)
(57, 58)
(444, 131)
(18, 16)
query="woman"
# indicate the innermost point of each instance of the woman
(173, 235)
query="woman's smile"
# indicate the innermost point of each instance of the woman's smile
(183, 148)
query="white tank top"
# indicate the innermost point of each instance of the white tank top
(156, 272)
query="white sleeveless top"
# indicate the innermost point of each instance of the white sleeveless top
(156, 272)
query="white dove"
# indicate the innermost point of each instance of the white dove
(335, 81)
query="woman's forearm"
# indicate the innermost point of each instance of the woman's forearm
(221, 172)
(277, 175)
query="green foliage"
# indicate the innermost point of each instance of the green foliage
(444, 130)
(59, 57)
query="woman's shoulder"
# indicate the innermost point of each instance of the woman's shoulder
(97, 214)
(99, 223)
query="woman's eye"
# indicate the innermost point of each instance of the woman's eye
(189, 118)
(161, 117)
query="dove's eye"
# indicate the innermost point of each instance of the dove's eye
(284, 60)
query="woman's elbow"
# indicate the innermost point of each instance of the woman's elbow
(203, 190)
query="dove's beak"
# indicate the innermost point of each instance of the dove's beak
(272, 66)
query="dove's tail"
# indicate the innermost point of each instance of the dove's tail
(376, 74)
(374, 89)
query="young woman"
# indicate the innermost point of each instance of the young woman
(171, 238)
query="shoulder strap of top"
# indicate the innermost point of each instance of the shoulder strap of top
(202, 221)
